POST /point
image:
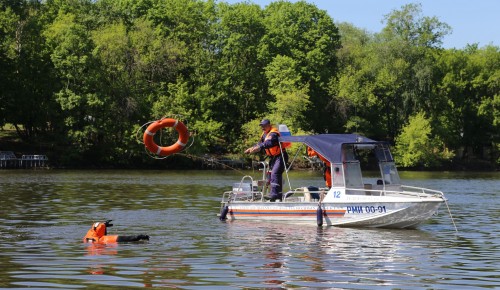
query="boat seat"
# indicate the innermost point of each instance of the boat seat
(310, 193)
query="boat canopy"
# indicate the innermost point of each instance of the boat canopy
(330, 145)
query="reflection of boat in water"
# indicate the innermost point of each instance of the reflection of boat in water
(351, 201)
(283, 251)
(339, 241)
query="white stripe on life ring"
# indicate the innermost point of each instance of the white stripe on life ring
(158, 151)
(176, 122)
(149, 133)
(180, 143)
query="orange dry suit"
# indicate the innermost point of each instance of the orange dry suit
(327, 173)
(98, 233)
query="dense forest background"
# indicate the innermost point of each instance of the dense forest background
(80, 77)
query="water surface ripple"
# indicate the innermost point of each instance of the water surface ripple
(45, 214)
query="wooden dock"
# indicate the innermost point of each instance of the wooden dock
(8, 160)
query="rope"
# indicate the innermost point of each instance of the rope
(209, 160)
(451, 216)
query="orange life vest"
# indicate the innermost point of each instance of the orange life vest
(275, 150)
(97, 234)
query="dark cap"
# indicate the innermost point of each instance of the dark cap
(264, 122)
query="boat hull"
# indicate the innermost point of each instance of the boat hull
(399, 214)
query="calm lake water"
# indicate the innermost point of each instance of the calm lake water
(45, 214)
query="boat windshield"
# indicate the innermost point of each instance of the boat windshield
(390, 173)
(356, 162)
(360, 165)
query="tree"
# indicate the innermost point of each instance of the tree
(416, 145)
(26, 90)
(470, 84)
(291, 95)
(307, 35)
(387, 77)
(404, 74)
(234, 82)
(409, 26)
(352, 89)
(75, 66)
(71, 53)
(8, 20)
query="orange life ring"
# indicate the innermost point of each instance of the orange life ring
(164, 123)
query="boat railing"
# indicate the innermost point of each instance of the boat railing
(303, 194)
(245, 190)
(365, 191)
(241, 196)
(419, 192)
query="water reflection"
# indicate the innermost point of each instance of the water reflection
(49, 213)
(314, 256)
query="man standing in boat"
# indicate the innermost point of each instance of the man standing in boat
(269, 142)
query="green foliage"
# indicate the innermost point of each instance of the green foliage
(291, 96)
(308, 36)
(234, 82)
(417, 146)
(409, 26)
(84, 75)
(25, 92)
(251, 134)
(470, 85)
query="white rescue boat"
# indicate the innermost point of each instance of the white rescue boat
(351, 201)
